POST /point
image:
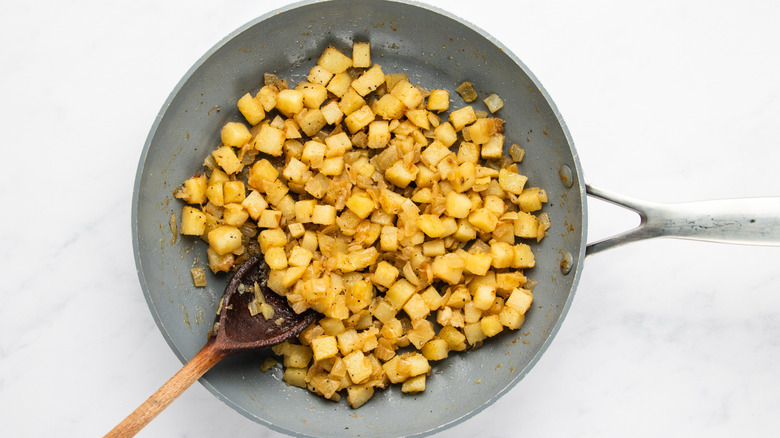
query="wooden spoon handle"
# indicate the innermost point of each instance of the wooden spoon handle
(189, 374)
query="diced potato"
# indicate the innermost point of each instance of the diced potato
(313, 94)
(304, 210)
(310, 120)
(227, 159)
(483, 219)
(438, 100)
(431, 225)
(531, 199)
(289, 102)
(520, 300)
(324, 347)
(369, 81)
(482, 130)
(399, 293)
(416, 307)
(193, 221)
(474, 333)
(358, 367)
(388, 238)
(351, 101)
(324, 214)
(235, 215)
(526, 225)
(295, 376)
(378, 134)
(389, 107)
(511, 318)
(254, 204)
(494, 148)
(233, 192)
(272, 237)
(224, 239)
(401, 174)
(276, 257)
(334, 61)
(522, 256)
(462, 117)
(385, 274)
(319, 75)
(491, 325)
(269, 140)
(361, 204)
(358, 395)
(407, 93)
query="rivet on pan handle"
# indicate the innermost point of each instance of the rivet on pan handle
(747, 221)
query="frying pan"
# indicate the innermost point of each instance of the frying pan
(435, 49)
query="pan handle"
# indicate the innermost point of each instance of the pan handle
(749, 221)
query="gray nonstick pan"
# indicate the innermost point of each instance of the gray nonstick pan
(435, 49)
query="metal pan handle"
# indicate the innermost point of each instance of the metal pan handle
(749, 221)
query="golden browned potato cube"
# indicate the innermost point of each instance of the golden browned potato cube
(455, 339)
(332, 113)
(361, 204)
(468, 152)
(531, 199)
(401, 174)
(474, 333)
(289, 102)
(193, 221)
(446, 134)
(235, 215)
(324, 214)
(358, 395)
(416, 307)
(313, 153)
(448, 267)
(193, 191)
(310, 120)
(359, 119)
(332, 166)
(324, 347)
(227, 159)
(520, 300)
(359, 295)
(436, 349)
(261, 171)
(358, 367)
(304, 210)
(351, 101)
(271, 237)
(434, 153)
(385, 274)
(254, 204)
(369, 81)
(299, 256)
(317, 186)
(482, 130)
(313, 94)
(494, 148)
(432, 298)
(384, 311)
(389, 107)
(233, 192)
(361, 54)
(235, 134)
(295, 376)
(319, 75)
(522, 257)
(399, 293)
(337, 144)
(334, 61)
(457, 205)
(269, 219)
(339, 84)
(378, 134)
(269, 140)
(511, 318)
(431, 225)
(526, 225)
(224, 239)
(463, 177)
(502, 254)
(438, 100)
(276, 258)
(462, 117)
(388, 238)
(511, 182)
(483, 219)
(407, 93)
(478, 263)
(252, 110)
(215, 194)
(491, 325)
(465, 231)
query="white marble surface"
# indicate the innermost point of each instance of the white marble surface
(667, 100)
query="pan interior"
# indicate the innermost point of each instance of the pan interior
(436, 51)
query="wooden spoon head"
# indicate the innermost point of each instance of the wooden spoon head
(238, 330)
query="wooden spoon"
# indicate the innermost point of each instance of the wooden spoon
(238, 331)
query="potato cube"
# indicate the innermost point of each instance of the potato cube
(448, 267)
(319, 75)
(224, 239)
(522, 256)
(317, 186)
(295, 376)
(351, 101)
(389, 107)
(299, 256)
(474, 333)
(465, 231)
(235, 215)
(446, 134)
(388, 238)
(359, 119)
(235, 134)
(332, 166)
(511, 182)
(385, 274)
(463, 177)
(401, 174)
(482, 130)
(361, 204)
(261, 171)
(296, 171)
(494, 148)
(332, 113)
(269, 219)
(269, 140)
(233, 191)
(324, 347)
(399, 293)
(483, 219)
(193, 221)
(378, 134)
(462, 117)
(407, 93)
(289, 102)
(313, 94)
(252, 109)
(276, 258)
(358, 367)
(358, 395)
(227, 159)
(431, 225)
(304, 210)
(339, 84)
(531, 199)
(434, 153)
(502, 254)
(478, 263)
(416, 307)
(526, 225)
(520, 300)
(491, 325)
(457, 205)
(369, 81)
(310, 120)
(359, 295)
(361, 54)
(511, 318)
(334, 61)
(438, 100)
(271, 237)
(324, 214)
(215, 194)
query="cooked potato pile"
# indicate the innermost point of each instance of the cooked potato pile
(408, 230)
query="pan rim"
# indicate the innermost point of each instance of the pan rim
(579, 183)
